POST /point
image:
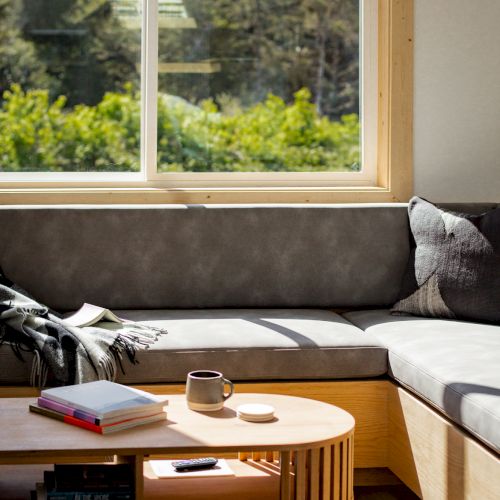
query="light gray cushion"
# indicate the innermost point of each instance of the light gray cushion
(186, 257)
(244, 345)
(454, 365)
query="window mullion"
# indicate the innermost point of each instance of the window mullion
(149, 88)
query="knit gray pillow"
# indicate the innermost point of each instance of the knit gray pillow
(454, 269)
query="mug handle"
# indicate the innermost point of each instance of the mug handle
(231, 388)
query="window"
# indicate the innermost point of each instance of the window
(69, 84)
(205, 100)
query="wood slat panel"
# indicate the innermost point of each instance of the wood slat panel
(300, 475)
(285, 475)
(344, 466)
(337, 471)
(350, 471)
(326, 483)
(314, 474)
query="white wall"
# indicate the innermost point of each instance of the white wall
(457, 100)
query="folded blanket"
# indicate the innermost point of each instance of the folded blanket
(69, 354)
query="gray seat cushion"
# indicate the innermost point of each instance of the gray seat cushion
(454, 365)
(245, 344)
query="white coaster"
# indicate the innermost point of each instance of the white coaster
(255, 412)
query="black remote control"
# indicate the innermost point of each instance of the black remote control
(194, 464)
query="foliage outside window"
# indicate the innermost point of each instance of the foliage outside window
(246, 86)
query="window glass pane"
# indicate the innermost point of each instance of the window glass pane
(258, 85)
(69, 82)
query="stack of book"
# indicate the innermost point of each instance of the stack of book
(101, 406)
(86, 482)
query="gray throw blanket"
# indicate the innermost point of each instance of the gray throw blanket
(70, 355)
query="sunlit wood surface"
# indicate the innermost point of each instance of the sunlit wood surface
(300, 426)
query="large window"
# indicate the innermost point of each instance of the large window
(194, 94)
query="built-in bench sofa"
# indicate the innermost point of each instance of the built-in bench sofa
(292, 299)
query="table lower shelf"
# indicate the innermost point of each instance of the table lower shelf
(252, 480)
(315, 474)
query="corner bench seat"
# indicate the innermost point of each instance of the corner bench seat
(244, 344)
(453, 365)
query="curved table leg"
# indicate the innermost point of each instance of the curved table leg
(318, 474)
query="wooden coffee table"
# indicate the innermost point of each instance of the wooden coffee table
(314, 441)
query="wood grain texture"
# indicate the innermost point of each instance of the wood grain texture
(141, 196)
(14, 391)
(326, 473)
(365, 400)
(300, 475)
(435, 458)
(184, 431)
(395, 110)
(285, 475)
(136, 461)
(299, 426)
(336, 471)
(314, 474)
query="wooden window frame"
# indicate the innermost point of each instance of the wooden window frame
(394, 145)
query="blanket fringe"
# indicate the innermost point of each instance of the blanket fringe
(39, 371)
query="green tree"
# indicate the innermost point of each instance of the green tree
(19, 62)
(85, 49)
(270, 136)
(270, 46)
(43, 135)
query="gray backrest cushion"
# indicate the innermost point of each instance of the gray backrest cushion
(455, 269)
(177, 256)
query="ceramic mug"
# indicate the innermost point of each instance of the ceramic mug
(205, 390)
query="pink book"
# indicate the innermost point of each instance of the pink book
(67, 410)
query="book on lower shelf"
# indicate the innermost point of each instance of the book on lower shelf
(87, 482)
(42, 493)
(165, 470)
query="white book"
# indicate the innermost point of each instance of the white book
(105, 399)
(165, 469)
(90, 314)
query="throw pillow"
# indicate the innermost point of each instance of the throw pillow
(454, 269)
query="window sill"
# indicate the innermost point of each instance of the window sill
(63, 196)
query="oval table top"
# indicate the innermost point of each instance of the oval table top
(299, 423)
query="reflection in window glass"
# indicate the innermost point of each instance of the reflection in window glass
(258, 85)
(69, 84)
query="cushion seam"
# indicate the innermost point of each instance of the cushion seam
(272, 349)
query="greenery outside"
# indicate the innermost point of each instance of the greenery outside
(296, 114)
